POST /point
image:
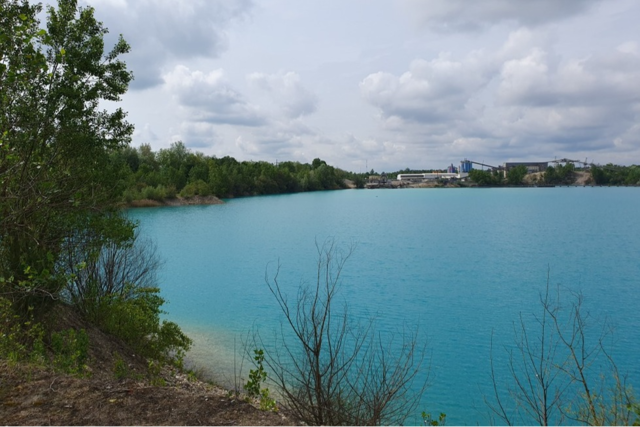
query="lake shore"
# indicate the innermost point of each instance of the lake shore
(177, 201)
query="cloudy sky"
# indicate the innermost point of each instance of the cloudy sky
(384, 84)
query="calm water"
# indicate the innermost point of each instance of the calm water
(461, 263)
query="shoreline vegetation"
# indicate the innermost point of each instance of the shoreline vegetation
(177, 176)
(579, 178)
(177, 201)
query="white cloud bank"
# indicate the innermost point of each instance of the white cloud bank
(514, 101)
(357, 85)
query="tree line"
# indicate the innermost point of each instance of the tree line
(553, 175)
(611, 174)
(178, 171)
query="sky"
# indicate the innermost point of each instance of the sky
(382, 84)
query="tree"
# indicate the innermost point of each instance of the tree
(516, 175)
(55, 141)
(564, 371)
(334, 371)
(485, 178)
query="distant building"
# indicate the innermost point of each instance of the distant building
(532, 167)
(430, 176)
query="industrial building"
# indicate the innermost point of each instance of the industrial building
(430, 176)
(532, 167)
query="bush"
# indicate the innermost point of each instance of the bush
(21, 338)
(335, 371)
(113, 285)
(135, 318)
(70, 350)
(171, 192)
(158, 193)
(196, 188)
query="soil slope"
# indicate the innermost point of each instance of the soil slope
(35, 395)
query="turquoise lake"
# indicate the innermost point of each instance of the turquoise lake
(461, 263)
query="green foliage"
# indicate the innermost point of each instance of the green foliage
(257, 377)
(486, 178)
(55, 141)
(635, 408)
(516, 175)
(135, 318)
(120, 368)
(21, 337)
(427, 420)
(64, 165)
(197, 188)
(191, 174)
(559, 174)
(112, 283)
(154, 193)
(70, 350)
(615, 175)
(154, 370)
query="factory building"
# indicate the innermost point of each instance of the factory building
(532, 167)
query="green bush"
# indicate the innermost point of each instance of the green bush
(21, 339)
(131, 194)
(196, 188)
(134, 317)
(114, 288)
(171, 192)
(257, 377)
(120, 368)
(158, 193)
(70, 350)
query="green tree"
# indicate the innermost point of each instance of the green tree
(598, 175)
(550, 175)
(516, 175)
(56, 173)
(485, 178)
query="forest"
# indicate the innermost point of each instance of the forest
(178, 171)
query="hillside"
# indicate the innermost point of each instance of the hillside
(118, 390)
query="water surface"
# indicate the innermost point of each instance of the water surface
(461, 263)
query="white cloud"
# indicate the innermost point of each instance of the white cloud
(161, 31)
(287, 91)
(522, 98)
(208, 97)
(498, 80)
(433, 91)
(198, 135)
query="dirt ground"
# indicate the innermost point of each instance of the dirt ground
(35, 395)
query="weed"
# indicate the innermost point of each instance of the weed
(70, 349)
(20, 339)
(428, 421)
(154, 370)
(256, 378)
(120, 368)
